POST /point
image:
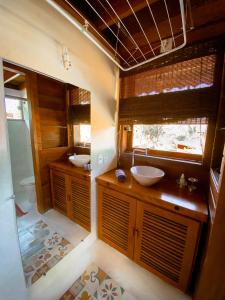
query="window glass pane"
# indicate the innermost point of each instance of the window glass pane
(186, 138)
(13, 109)
(85, 133)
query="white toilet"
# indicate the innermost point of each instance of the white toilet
(28, 185)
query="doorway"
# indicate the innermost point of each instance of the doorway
(18, 124)
(41, 140)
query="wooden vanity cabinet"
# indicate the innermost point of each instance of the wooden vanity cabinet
(59, 188)
(162, 241)
(79, 201)
(71, 196)
(165, 243)
(116, 220)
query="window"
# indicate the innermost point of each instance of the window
(167, 109)
(14, 108)
(171, 138)
(85, 133)
(82, 134)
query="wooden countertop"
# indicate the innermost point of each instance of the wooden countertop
(67, 167)
(165, 194)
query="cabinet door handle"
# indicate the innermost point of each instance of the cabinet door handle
(68, 198)
(136, 232)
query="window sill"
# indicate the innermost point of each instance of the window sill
(166, 158)
(83, 147)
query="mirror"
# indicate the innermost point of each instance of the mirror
(50, 138)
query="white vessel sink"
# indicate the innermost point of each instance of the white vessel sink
(79, 160)
(146, 175)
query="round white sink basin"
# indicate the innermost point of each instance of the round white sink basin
(79, 160)
(146, 175)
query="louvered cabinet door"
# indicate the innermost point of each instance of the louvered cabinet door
(59, 191)
(116, 220)
(79, 202)
(165, 244)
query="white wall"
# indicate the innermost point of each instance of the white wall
(32, 34)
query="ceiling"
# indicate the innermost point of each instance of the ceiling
(13, 79)
(132, 30)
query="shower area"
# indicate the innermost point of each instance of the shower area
(18, 122)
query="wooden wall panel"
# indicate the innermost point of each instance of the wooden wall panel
(49, 117)
(52, 117)
(32, 95)
(53, 137)
(211, 281)
(51, 87)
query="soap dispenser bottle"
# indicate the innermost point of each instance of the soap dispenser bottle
(182, 181)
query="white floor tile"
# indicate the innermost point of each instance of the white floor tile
(138, 283)
(73, 232)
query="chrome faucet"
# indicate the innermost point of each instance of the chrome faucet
(140, 150)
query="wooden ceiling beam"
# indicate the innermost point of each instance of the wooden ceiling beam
(204, 15)
(64, 5)
(122, 11)
(8, 74)
(13, 77)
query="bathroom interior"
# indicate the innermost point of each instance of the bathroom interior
(65, 132)
(116, 146)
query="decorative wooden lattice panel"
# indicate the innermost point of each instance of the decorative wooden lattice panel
(79, 96)
(190, 74)
(80, 202)
(117, 220)
(59, 191)
(166, 244)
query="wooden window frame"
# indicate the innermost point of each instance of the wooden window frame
(126, 146)
(125, 137)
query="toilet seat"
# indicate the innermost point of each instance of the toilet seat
(27, 181)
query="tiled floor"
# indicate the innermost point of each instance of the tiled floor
(138, 283)
(41, 249)
(36, 231)
(95, 284)
(71, 231)
(21, 200)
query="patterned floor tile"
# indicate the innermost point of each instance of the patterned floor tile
(41, 249)
(94, 284)
(109, 290)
